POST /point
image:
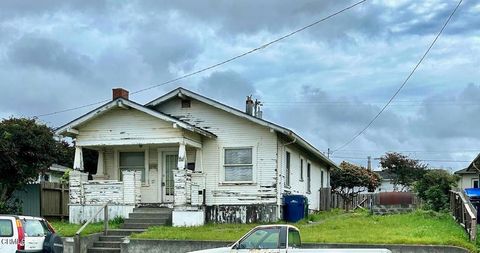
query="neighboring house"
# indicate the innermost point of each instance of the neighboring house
(469, 175)
(208, 161)
(54, 174)
(386, 184)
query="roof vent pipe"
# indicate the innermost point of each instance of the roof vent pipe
(258, 109)
(249, 106)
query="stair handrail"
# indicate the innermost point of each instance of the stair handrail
(105, 225)
(464, 212)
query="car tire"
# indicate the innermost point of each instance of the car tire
(53, 244)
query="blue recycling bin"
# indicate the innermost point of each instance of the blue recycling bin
(474, 196)
(294, 207)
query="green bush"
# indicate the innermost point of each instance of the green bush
(434, 187)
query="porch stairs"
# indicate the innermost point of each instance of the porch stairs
(138, 221)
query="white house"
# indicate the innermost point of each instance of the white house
(200, 157)
(469, 175)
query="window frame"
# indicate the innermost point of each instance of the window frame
(309, 177)
(288, 166)
(144, 175)
(473, 182)
(301, 169)
(225, 165)
(11, 228)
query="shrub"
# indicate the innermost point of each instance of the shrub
(434, 188)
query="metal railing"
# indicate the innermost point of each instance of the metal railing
(464, 212)
(105, 225)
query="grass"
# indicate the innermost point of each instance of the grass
(66, 229)
(420, 227)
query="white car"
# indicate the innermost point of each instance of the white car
(278, 239)
(19, 234)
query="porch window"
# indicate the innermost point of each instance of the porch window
(238, 164)
(132, 161)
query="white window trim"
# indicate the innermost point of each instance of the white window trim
(116, 160)
(309, 178)
(301, 167)
(222, 166)
(288, 171)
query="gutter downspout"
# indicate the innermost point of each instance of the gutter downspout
(279, 169)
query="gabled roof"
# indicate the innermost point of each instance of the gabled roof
(474, 166)
(125, 103)
(465, 172)
(181, 92)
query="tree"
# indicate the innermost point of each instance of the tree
(404, 171)
(26, 149)
(349, 180)
(434, 188)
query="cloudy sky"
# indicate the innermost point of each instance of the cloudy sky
(325, 83)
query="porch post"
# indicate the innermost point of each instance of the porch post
(100, 166)
(182, 156)
(78, 160)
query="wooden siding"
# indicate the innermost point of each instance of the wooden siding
(297, 186)
(231, 131)
(121, 125)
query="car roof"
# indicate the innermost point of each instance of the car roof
(23, 217)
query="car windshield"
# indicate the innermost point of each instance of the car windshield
(34, 228)
(264, 238)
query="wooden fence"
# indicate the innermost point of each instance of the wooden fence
(464, 213)
(45, 199)
(329, 200)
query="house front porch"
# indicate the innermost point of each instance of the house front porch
(128, 176)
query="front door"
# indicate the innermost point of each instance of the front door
(169, 164)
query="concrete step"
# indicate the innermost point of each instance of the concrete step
(111, 238)
(107, 244)
(141, 225)
(124, 231)
(147, 220)
(149, 215)
(152, 210)
(100, 250)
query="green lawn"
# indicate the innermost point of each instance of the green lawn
(66, 229)
(419, 227)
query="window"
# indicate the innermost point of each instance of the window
(35, 228)
(186, 103)
(321, 179)
(6, 228)
(294, 238)
(308, 178)
(475, 183)
(132, 161)
(263, 238)
(301, 169)
(287, 168)
(238, 164)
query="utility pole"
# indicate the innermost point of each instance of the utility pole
(369, 163)
(328, 153)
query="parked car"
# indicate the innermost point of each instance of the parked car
(281, 239)
(22, 234)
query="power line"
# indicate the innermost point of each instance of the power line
(403, 84)
(423, 160)
(225, 61)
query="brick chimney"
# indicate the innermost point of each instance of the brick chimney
(119, 93)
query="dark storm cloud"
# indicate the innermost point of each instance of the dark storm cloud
(42, 53)
(219, 84)
(61, 54)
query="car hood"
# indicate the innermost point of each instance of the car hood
(215, 250)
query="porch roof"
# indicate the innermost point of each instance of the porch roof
(69, 128)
